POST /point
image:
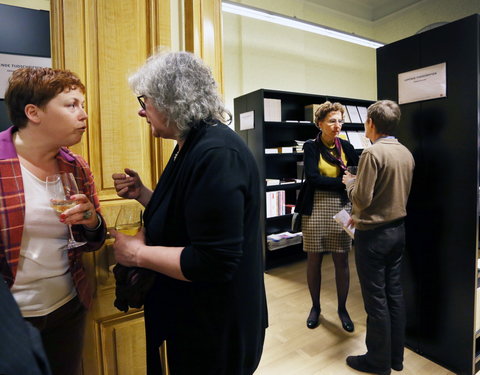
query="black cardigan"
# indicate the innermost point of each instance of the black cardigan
(208, 201)
(314, 180)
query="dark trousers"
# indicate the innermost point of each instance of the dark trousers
(62, 334)
(378, 256)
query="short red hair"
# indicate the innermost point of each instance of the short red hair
(36, 86)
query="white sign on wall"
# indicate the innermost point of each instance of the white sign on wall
(9, 63)
(247, 120)
(423, 84)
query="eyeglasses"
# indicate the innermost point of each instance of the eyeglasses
(332, 122)
(141, 100)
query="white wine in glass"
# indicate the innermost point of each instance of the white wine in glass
(129, 220)
(60, 187)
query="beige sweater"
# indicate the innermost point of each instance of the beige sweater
(379, 193)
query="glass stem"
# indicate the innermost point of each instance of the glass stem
(71, 233)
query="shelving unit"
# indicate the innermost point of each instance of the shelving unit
(273, 134)
(442, 225)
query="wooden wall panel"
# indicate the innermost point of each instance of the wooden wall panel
(203, 34)
(122, 47)
(124, 345)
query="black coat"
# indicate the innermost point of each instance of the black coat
(314, 180)
(208, 201)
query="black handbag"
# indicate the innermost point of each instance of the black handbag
(131, 286)
(296, 222)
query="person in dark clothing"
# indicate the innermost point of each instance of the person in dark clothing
(201, 234)
(326, 158)
(21, 349)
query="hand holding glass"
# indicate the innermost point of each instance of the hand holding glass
(352, 169)
(60, 187)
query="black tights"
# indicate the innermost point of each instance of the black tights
(342, 279)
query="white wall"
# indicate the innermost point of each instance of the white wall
(414, 18)
(259, 55)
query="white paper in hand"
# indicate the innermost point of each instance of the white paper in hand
(343, 218)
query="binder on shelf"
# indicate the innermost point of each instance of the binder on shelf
(353, 114)
(362, 111)
(310, 112)
(272, 109)
(299, 169)
(358, 139)
(346, 117)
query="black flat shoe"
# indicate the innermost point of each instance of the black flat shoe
(347, 323)
(359, 363)
(313, 318)
(397, 366)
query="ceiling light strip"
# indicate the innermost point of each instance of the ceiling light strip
(264, 15)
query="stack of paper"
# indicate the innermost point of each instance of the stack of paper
(343, 218)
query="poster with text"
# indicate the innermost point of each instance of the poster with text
(423, 84)
(9, 63)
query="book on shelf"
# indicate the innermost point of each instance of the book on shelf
(289, 209)
(273, 150)
(277, 181)
(286, 150)
(272, 109)
(353, 113)
(358, 139)
(284, 239)
(343, 218)
(275, 203)
(272, 181)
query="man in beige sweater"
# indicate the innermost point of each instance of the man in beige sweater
(379, 194)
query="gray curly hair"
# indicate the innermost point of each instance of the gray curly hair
(182, 86)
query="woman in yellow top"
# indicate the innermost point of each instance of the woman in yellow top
(326, 159)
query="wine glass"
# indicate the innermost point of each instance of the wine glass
(60, 187)
(129, 220)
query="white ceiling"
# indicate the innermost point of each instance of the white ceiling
(370, 10)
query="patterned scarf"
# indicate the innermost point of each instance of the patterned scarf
(328, 156)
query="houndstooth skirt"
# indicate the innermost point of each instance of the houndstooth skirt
(321, 233)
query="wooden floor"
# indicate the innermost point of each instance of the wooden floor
(291, 348)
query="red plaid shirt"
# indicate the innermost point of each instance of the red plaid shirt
(12, 212)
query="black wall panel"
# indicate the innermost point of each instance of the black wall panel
(440, 265)
(22, 32)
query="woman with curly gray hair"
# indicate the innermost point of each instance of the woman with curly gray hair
(201, 235)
